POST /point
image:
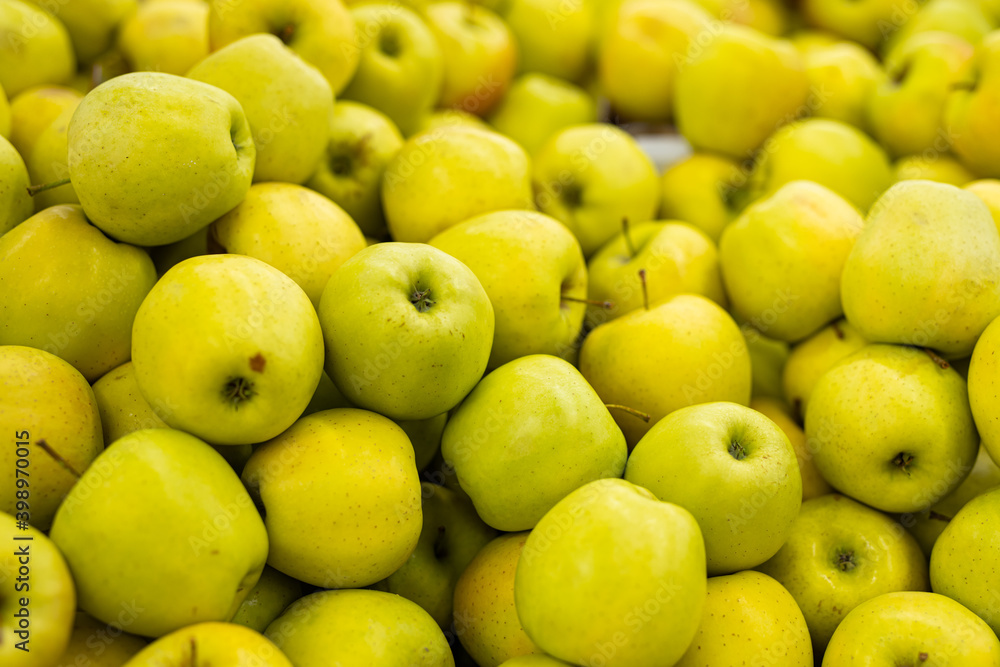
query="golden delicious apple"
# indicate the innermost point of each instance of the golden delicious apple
(211, 644)
(36, 48)
(91, 24)
(98, 644)
(813, 357)
(34, 110)
(984, 378)
(553, 37)
(970, 108)
(47, 162)
(988, 189)
(813, 484)
(843, 77)
(701, 190)
(971, 21)
(122, 406)
(266, 601)
(941, 168)
(15, 202)
(168, 36)
(538, 106)
(767, 361)
(867, 23)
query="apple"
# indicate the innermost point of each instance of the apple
(34, 110)
(844, 75)
(553, 37)
(813, 484)
(767, 362)
(211, 643)
(206, 552)
(969, 107)
(867, 23)
(425, 436)
(47, 163)
(982, 382)
(101, 644)
(972, 21)
(988, 189)
(266, 601)
(15, 202)
(811, 358)
(538, 106)
(169, 36)
(37, 49)
(122, 406)
(940, 168)
(703, 190)
(232, 344)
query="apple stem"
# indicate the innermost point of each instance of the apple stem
(194, 653)
(936, 358)
(937, 516)
(58, 459)
(644, 416)
(628, 238)
(35, 189)
(645, 290)
(838, 332)
(606, 305)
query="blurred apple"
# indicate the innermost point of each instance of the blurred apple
(538, 106)
(553, 37)
(37, 49)
(702, 190)
(970, 107)
(988, 189)
(941, 168)
(213, 643)
(269, 597)
(165, 36)
(843, 78)
(811, 358)
(99, 644)
(34, 110)
(867, 23)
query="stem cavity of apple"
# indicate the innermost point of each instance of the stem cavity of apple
(845, 561)
(644, 416)
(57, 458)
(903, 461)
(238, 390)
(737, 450)
(421, 299)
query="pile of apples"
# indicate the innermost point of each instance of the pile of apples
(350, 336)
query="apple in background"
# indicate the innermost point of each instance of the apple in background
(99, 644)
(988, 189)
(767, 361)
(891, 426)
(867, 23)
(297, 231)
(122, 406)
(211, 643)
(70, 290)
(289, 135)
(321, 32)
(47, 162)
(34, 110)
(340, 497)
(425, 436)
(574, 559)
(940, 168)
(451, 536)
(676, 258)
(37, 49)
(475, 171)
(266, 601)
(811, 358)
(535, 660)
(737, 90)
(840, 554)
(479, 53)
(640, 54)
(922, 272)
(50, 606)
(48, 408)
(91, 24)
(733, 469)
(208, 548)
(117, 150)
(781, 260)
(813, 484)
(362, 143)
(408, 330)
(168, 36)
(906, 112)
(982, 382)
(485, 616)
(533, 272)
(770, 17)
(970, 107)
(914, 627)
(530, 433)
(538, 106)
(15, 202)
(591, 176)
(702, 190)
(232, 345)
(553, 37)
(401, 67)
(969, 20)
(684, 351)
(441, 119)
(844, 77)
(828, 152)
(749, 613)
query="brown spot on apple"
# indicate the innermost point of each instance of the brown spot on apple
(257, 363)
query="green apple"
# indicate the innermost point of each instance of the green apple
(232, 345)
(47, 162)
(38, 598)
(485, 616)
(906, 110)
(425, 436)
(401, 67)
(958, 566)
(813, 484)
(734, 92)
(297, 231)
(889, 423)
(639, 54)
(983, 374)
(939, 167)
(971, 21)
(782, 259)
(749, 614)
(844, 76)
(211, 643)
(912, 628)
(582, 598)
(169, 36)
(15, 202)
(867, 23)
(928, 524)
(921, 272)
(340, 497)
(591, 176)
(733, 469)
(99, 644)
(770, 17)
(702, 190)
(70, 290)
(840, 554)
(117, 149)
(677, 258)
(91, 24)
(362, 143)
(321, 32)
(206, 552)
(266, 601)
(36, 50)
(408, 330)
(811, 358)
(286, 100)
(475, 171)
(51, 414)
(970, 108)
(34, 110)
(451, 537)
(359, 628)
(122, 406)
(828, 152)
(684, 351)
(326, 397)
(533, 272)
(479, 54)
(538, 106)
(988, 189)
(529, 434)
(767, 362)
(165, 257)
(553, 37)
